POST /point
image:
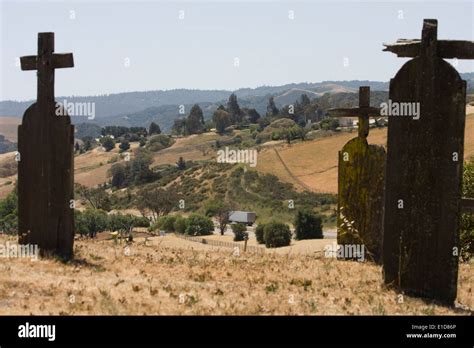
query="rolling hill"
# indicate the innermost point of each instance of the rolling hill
(309, 165)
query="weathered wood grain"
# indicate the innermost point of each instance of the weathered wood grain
(45, 170)
(361, 173)
(424, 176)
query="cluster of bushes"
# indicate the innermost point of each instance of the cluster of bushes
(92, 221)
(120, 131)
(159, 142)
(273, 234)
(194, 225)
(308, 225)
(134, 172)
(9, 214)
(240, 232)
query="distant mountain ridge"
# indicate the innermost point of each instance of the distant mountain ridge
(141, 108)
(130, 102)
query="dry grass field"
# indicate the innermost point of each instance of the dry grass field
(9, 127)
(315, 162)
(167, 275)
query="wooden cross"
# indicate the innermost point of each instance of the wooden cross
(424, 168)
(443, 48)
(45, 63)
(364, 111)
(361, 170)
(46, 168)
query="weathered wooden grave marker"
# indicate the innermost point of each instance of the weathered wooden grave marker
(46, 166)
(361, 172)
(424, 168)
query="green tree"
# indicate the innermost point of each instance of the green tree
(253, 115)
(119, 175)
(96, 197)
(124, 146)
(198, 225)
(9, 213)
(240, 232)
(139, 169)
(308, 225)
(154, 129)
(220, 210)
(90, 222)
(222, 120)
(195, 120)
(159, 142)
(276, 235)
(181, 164)
(108, 143)
(234, 109)
(272, 110)
(87, 143)
(304, 101)
(157, 201)
(179, 126)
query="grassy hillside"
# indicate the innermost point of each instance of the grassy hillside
(9, 127)
(170, 276)
(313, 164)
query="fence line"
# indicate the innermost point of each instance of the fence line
(220, 243)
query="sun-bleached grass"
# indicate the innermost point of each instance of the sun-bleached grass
(172, 276)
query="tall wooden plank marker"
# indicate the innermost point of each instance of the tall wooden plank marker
(46, 166)
(424, 167)
(361, 172)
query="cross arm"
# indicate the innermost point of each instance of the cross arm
(446, 48)
(60, 60)
(28, 63)
(355, 112)
(63, 60)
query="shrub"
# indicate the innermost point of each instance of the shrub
(159, 142)
(308, 225)
(259, 233)
(9, 214)
(198, 225)
(276, 235)
(166, 223)
(240, 233)
(91, 221)
(180, 224)
(108, 143)
(124, 146)
(121, 223)
(141, 222)
(466, 235)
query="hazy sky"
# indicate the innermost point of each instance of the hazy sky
(200, 50)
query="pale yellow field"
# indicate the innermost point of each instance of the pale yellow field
(172, 276)
(9, 127)
(315, 162)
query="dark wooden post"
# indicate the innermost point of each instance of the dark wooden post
(361, 173)
(46, 166)
(424, 168)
